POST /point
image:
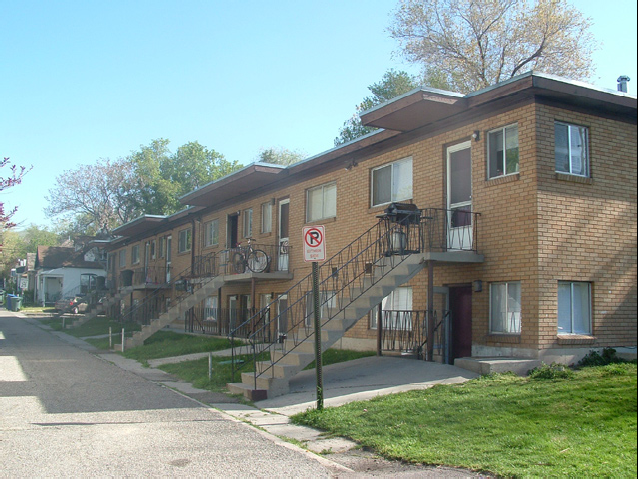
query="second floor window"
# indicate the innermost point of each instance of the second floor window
(135, 254)
(321, 202)
(248, 223)
(122, 258)
(184, 241)
(502, 151)
(266, 217)
(211, 233)
(571, 151)
(392, 182)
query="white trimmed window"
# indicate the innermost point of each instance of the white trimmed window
(502, 145)
(153, 249)
(396, 309)
(210, 308)
(162, 246)
(574, 307)
(184, 241)
(571, 149)
(211, 233)
(122, 258)
(248, 223)
(328, 301)
(505, 307)
(392, 182)
(266, 217)
(135, 254)
(321, 202)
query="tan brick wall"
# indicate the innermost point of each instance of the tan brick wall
(533, 228)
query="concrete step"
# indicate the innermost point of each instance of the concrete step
(519, 366)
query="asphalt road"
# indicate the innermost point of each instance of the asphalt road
(66, 412)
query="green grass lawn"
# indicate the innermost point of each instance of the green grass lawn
(166, 344)
(196, 372)
(580, 426)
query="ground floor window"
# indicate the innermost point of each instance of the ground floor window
(574, 307)
(210, 308)
(396, 311)
(505, 307)
(328, 301)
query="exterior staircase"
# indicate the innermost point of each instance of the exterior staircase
(294, 354)
(102, 307)
(174, 312)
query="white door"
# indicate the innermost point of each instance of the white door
(459, 196)
(284, 235)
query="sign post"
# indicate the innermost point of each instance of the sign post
(315, 250)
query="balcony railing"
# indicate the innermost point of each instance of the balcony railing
(225, 262)
(451, 230)
(149, 275)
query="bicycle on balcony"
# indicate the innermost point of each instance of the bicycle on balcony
(248, 258)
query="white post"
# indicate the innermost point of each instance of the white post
(210, 366)
(110, 337)
(122, 339)
(63, 322)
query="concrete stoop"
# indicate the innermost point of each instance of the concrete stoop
(482, 366)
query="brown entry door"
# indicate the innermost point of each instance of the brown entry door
(461, 317)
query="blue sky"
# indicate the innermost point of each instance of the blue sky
(82, 80)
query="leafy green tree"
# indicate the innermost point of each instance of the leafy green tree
(473, 44)
(280, 156)
(392, 85)
(163, 177)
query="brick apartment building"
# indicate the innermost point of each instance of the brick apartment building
(527, 227)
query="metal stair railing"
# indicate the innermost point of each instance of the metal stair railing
(343, 278)
(156, 303)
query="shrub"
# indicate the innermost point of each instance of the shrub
(594, 358)
(552, 371)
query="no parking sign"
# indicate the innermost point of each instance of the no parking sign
(314, 243)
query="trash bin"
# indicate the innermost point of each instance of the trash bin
(10, 302)
(17, 303)
(2, 296)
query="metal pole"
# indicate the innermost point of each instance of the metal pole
(122, 339)
(210, 366)
(317, 305)
(110, 338)
(430, 319)
(379, 313)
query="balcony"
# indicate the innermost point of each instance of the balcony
(241, 264)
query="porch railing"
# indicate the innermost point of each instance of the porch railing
(405, 331)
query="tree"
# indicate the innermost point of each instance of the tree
(163, 177)
(392, 85)
(477, 43)
(14, 177)
(92, 196)
(149, 181)
(280, 156)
